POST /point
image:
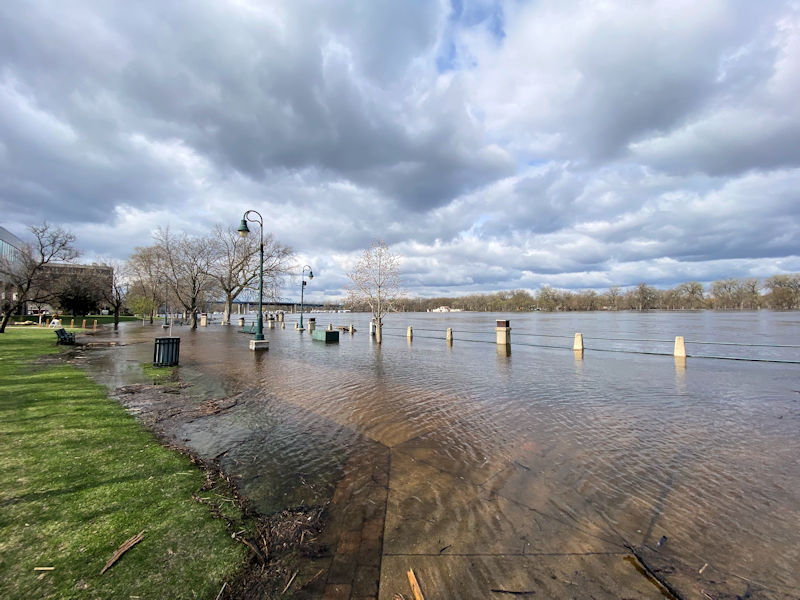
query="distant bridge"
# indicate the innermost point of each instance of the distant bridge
(246, 306)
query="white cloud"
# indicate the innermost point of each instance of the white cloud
(493, 144)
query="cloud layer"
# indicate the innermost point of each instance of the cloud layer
(494, 145)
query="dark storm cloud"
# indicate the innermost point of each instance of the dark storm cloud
(322, 88)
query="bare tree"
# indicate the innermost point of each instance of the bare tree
(116, 294)
(188, 262)
(690, 295)
(784, 291)
(23, 276)
(236, 266)
(146, 269)
(376, 282)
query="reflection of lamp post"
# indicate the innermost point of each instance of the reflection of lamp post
(302, 289)
(243, 231)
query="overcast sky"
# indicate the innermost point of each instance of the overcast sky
(493, 145)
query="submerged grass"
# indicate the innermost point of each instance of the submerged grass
(79, 476)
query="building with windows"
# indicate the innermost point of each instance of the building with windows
(10, 245)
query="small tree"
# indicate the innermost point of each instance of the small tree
(146, 269)
(115, 296)
(187, 267)
(78, 296)
(23, 277)
(376, 282)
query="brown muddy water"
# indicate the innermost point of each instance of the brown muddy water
(535, 473)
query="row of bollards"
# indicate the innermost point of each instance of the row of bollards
(503, 338)
(71, 324)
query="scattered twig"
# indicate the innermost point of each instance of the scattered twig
(445, 548)
(253, 547)
(123, 549)
(703, 568)
(412, 581)
(514, 592)
(289, 584)
(221, 590)
(651, 573)
(44, 568)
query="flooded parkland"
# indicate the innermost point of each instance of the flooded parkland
(534, 471)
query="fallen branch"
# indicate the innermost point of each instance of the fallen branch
(288, 584)
(221, 590)
(653, 575)
(412, 581)
(123, 549)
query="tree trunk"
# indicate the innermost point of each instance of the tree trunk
(226, 312)
(6, 319)
(116, 317)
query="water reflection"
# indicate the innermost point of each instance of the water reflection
(562, 458)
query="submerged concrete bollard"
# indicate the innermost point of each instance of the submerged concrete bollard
(680, 347)
(410, 333)
(95, 325)
(330, 326)
(297, 325)
(503, 331)
(352, 331)
(449, 335)
(280, 317)
(312, 324)
(372, 327)
(241, 321)
(577, 345)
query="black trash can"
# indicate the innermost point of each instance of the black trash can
(166, 351)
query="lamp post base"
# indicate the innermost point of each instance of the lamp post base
(259, 344)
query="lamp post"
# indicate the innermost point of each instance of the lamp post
(166, 295)
(302, 289)
(243, 231)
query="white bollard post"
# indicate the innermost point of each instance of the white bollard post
(577, 345)
(679, 349)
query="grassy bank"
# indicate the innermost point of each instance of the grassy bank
(79, 476)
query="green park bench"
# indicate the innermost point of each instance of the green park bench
(65, 337)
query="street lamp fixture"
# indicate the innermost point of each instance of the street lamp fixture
(302, 289)
(243, 230)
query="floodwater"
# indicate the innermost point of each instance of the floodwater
(529, 470)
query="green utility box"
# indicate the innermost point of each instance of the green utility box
(325, 335)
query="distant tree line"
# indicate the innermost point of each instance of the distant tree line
(779, 292)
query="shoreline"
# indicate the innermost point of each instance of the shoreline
(276, 543)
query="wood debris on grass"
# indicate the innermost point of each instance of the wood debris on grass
(130, 543)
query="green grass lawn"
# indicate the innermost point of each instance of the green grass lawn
(79, 476)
